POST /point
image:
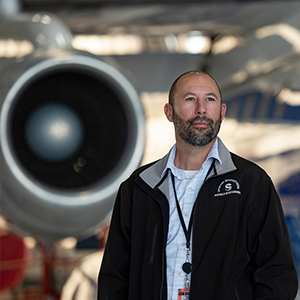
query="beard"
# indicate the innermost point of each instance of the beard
(197, 136)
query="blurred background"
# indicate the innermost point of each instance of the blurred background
(82, 89)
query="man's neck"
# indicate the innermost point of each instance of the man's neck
(189, 157)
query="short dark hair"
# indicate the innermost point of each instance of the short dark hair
(173, 86)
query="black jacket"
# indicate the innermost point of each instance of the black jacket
(241, 246)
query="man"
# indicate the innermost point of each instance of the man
(201, 223)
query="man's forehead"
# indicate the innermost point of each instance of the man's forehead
(197, 76)
(197, 80)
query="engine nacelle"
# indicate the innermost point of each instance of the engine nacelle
(72, 128)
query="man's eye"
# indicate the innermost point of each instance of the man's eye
(189, 99)
(210, 99)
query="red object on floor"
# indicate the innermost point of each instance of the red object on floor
(14, 257)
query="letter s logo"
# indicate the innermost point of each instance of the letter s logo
(228, 187)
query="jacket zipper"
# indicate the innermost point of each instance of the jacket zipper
(152, 257)
(162, 279)
(236, 292)
(154, 241)
(163, 269)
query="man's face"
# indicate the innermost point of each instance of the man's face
(197, 111)
(196, 136)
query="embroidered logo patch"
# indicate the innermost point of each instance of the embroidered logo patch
(227, 187)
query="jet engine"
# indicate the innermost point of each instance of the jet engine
(72, 128)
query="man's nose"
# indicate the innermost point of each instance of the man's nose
(200, 108)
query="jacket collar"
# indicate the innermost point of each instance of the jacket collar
(153, 175)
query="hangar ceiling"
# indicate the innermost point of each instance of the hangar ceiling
(146, 17)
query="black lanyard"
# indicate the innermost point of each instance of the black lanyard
(188, 231)
(187, 267)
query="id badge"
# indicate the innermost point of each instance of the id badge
(183, 294)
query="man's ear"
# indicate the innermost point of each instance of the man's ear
(223, 108)
(168, 112)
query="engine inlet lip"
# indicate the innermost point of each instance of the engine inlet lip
(104, 189)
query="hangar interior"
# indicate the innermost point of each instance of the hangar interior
(59, 58)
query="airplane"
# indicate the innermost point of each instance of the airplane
(65, 184)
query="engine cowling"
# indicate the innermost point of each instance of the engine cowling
(72, 128)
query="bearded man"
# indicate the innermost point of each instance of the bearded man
(200, 223)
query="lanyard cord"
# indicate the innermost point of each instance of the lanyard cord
(188, 231)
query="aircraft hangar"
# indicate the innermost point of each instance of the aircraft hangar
(57, 57)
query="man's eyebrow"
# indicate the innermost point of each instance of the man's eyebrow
(189, 94)
(194, 94)
(212, 94)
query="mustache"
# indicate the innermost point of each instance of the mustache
(200, 119)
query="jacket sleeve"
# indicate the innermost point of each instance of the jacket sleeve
(275, 275)
(114, 271)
